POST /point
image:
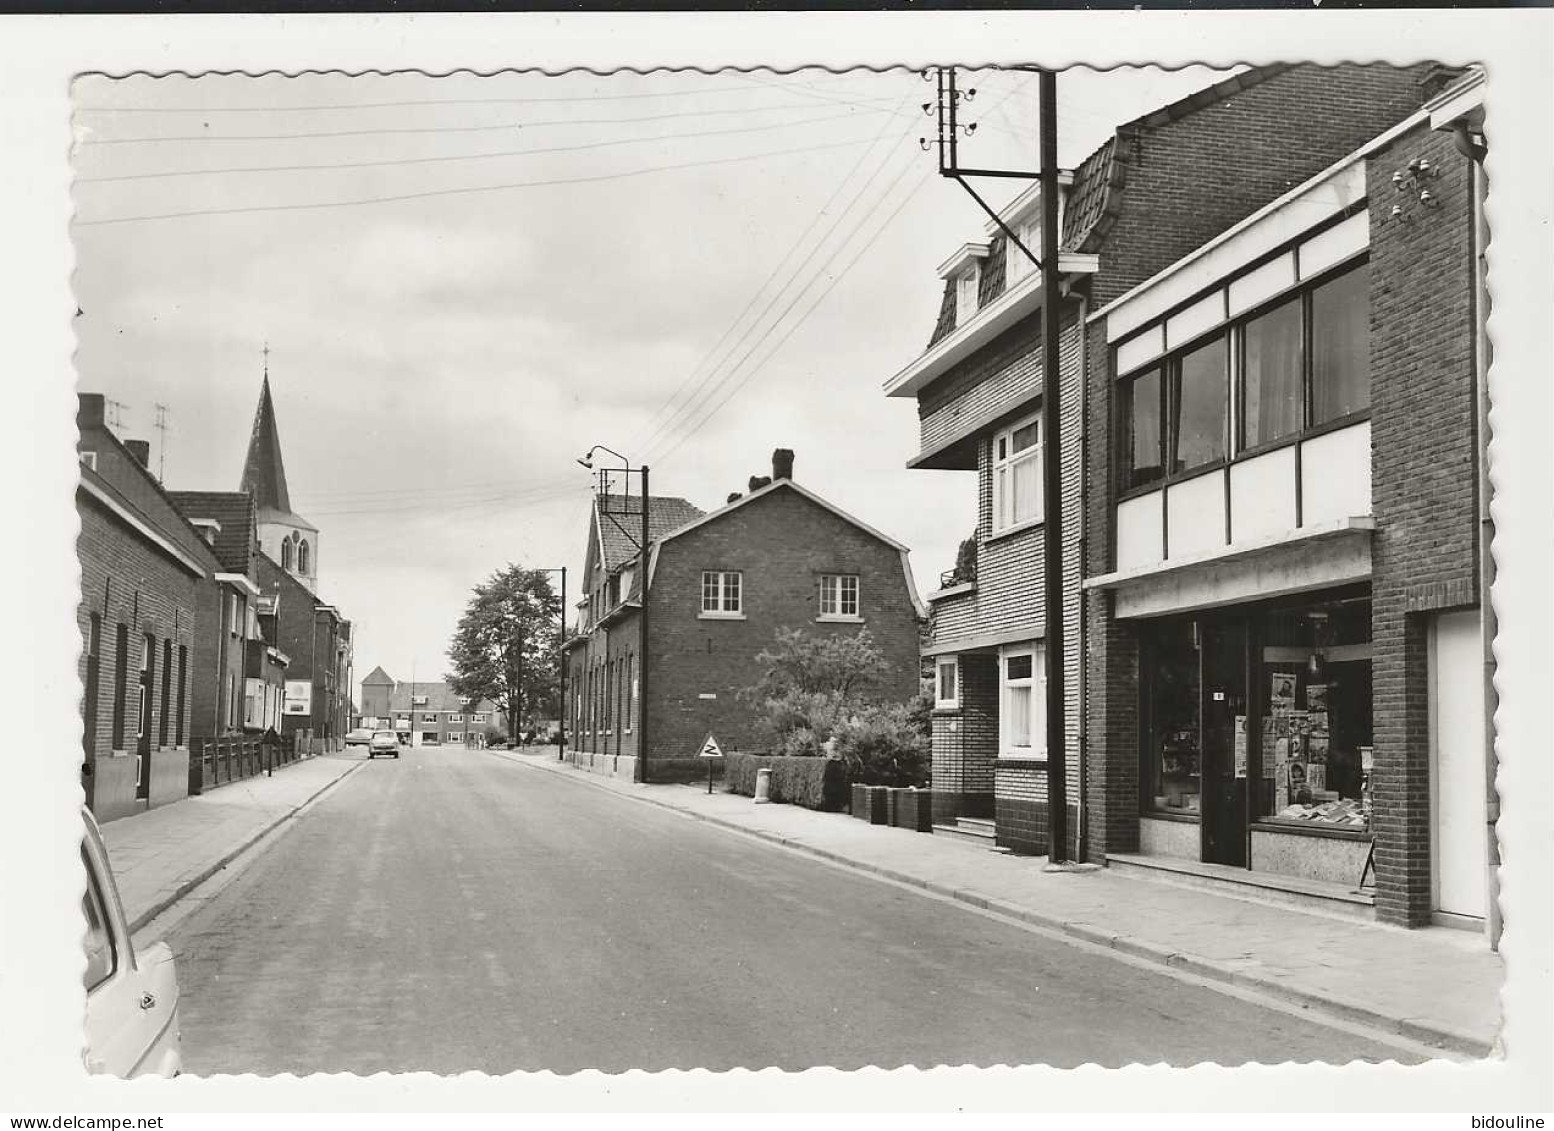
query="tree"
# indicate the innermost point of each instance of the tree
(505, 647)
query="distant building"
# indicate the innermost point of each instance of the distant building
(429, 713)
(719, 586)
(144, 573)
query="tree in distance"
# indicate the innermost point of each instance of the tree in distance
(504, 649)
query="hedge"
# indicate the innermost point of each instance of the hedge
(814, 783)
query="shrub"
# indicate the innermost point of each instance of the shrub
(814, 783)
(882, 745)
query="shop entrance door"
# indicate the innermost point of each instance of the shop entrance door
(1223, 688)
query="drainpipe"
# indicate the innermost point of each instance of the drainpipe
(1084, 658)
(1486, 529)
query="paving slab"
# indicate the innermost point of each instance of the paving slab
(1437, 985)
(160, 855)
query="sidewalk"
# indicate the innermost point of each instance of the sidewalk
(1435, 985)
(158, 855)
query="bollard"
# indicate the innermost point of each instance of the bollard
(763, 786)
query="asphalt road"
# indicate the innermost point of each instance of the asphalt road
(455, 911)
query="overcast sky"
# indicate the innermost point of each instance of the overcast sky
(691, 269)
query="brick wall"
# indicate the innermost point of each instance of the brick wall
(965, 744)
(126, 580)
(782, 543)
(1424, 483)
(1187, 181)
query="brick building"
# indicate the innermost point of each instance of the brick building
(143, 569)
(1183, 471)
(239, 684)
(720, 585)
(317, 642)
(426, 713)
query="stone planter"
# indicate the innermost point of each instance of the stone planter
(879, 802)
(913, 809)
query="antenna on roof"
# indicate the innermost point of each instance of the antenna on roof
(161, 429)
(115, 420)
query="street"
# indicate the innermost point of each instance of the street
(453, 911)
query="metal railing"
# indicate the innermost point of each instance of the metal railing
(217, 761)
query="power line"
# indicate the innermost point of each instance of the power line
(399, 197)
(414, 102)
(690, 406)
(379, 131)
(406, 161)
(642, 433)
(906, 198)
(793, 327)
(691, 409)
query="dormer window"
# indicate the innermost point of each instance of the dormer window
(966, 295)
(1017, 265)
(964, 271)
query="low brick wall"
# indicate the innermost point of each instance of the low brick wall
(665, 770)
(913, 809)
(878, 807)
(608, 765)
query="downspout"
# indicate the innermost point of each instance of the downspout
(1084, 656)
(1486, 532)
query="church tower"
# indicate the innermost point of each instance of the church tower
(284, 536)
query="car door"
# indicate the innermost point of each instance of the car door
(131, 1001)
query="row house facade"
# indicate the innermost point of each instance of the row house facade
(718, 587)
(144, 574)
(1270, 499)
(428, 713)
(198, 653)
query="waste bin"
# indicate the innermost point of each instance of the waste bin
(763, 785)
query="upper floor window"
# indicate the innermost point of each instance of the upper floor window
(1017, 265)
(455, 718)
(304, 557)
(286, 560)
(1298, 364)
(947, 682)
(1017, 475)
(966, 296)
(721, 593)
(839, 595)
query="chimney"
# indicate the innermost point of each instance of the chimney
(759, 481)
(782, 463)
(141, 450)
(89, 410)
(733, 497)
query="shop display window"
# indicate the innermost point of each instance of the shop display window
(1316, 717)
(1172, 735)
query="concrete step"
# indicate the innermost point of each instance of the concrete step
(1340, 900)
(972, 831)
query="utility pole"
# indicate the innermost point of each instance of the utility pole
(642, 642)
(950, 128)
(1052, 504)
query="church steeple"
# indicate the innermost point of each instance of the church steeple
(264, 473)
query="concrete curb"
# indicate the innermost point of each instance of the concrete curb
(1411, 1028)
(188, 885)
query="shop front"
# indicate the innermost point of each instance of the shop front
(1255, 727)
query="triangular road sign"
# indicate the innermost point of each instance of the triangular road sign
(710, 748)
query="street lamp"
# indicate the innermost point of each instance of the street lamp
(639, 773)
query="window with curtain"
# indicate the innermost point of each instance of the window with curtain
(1199, 400)
(1271, 365)
(1142, 418)
(1017, 474)
(1024, 714)
(1341, 346)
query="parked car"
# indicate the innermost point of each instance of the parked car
(361, 736)
(383, 742)
(131, 999)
